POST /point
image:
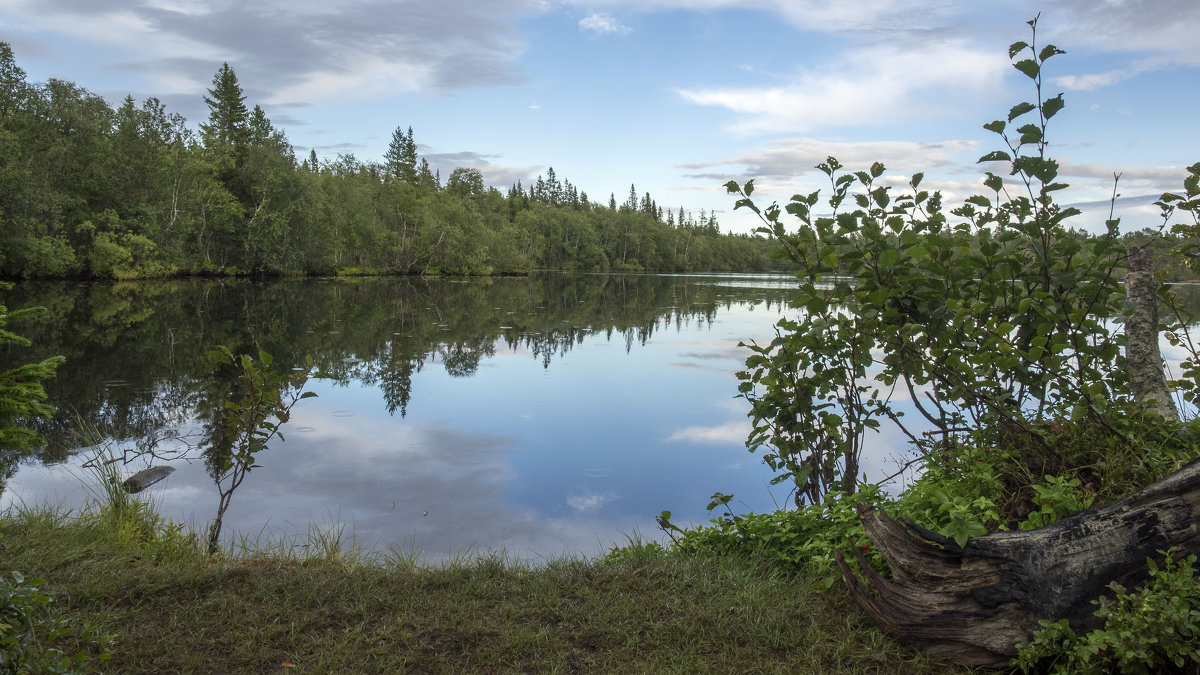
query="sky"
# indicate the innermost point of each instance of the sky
(675, 97)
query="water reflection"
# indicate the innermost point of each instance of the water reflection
(541, 415)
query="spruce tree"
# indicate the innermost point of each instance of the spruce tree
(425, 178)
(21, 393)
(401, 157)
(227, 114)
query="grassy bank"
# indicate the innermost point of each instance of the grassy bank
(171, 608)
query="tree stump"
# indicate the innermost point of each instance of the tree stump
(977, 602)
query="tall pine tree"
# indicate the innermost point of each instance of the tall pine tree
(401, 157)
(227, 114)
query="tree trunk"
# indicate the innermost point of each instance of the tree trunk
(976, 603)
(1143, 360)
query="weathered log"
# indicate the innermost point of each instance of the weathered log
(977, 602)
(145, 478)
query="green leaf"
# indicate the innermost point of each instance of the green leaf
(1018, 110)
(996, 126)
(1047, 52)
(996, 156)
(1030, 134)
(1029, 67)
(747, 204)
(1050, 107)
(1015, 48)
(719, 499)
(960, 529)
(664, 521)
(916, 179)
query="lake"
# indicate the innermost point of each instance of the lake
(537, 416)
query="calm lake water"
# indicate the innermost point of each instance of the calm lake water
(538, 416)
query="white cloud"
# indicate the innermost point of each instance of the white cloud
(589, 503)
(733, 432)
(795, 157)
(1162, 27)
(602, 24)
(807, 14)
(370, 78)
(873, 85)
(298, 52)
(1092, 81)
(1153, 178)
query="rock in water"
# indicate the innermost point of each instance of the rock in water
(145, 478)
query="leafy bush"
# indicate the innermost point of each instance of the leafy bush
(28, 633)
(1143, 630)
(993, 328)
(803, 538)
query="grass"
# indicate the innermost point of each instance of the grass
(173, 608)
(117, 569)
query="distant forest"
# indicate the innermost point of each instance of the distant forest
(89, 191)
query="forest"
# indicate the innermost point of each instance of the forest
(89, 191)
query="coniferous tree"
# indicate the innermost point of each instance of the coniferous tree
(425, 178)
(401, 156)
(227, 114)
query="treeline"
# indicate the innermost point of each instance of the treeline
(91, 191)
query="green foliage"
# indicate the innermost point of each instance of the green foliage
(1057, 498)
(133, 192)
(22, 395)
(29, 633)
(1187, 250)
(996, 329)
(803, 538)
(1144, 631)
(982, 486)
(261, 403)
(996, 322)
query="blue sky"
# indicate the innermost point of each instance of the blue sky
(674, 96)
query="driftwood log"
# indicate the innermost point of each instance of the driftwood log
(977, 602)
(145, 478)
